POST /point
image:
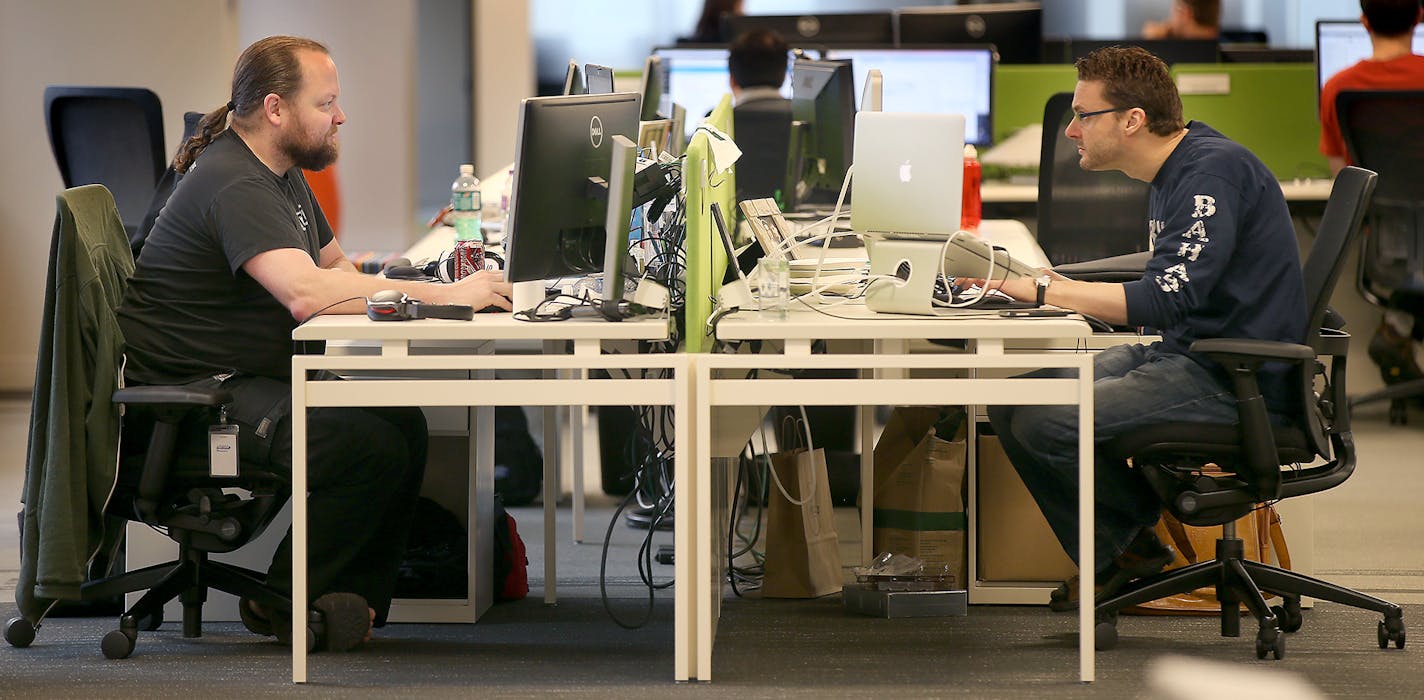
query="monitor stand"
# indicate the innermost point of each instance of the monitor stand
(916, 263)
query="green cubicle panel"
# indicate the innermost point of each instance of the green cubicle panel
(1020, 92)
(1269, 108)
(706, 262)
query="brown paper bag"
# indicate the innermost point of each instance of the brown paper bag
(803, 558)
(1261, 536)
(919, 492)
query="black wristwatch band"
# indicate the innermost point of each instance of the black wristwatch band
(1042, 284)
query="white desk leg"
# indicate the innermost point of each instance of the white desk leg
(1087, 512)
(551, 485)
(693, 454)
(867, 454)
(583, 444)
(481, 505)
(299, 522)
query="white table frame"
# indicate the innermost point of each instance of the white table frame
(452, 348)
(881, 380)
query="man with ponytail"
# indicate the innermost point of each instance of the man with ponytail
(239, 255)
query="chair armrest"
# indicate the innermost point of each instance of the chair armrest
(176, 395)
(1119, 268)
(1248, 351)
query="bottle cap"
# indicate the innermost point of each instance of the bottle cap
(970, 151)
(467, 169)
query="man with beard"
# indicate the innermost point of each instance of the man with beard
(239, 255)
(1225, 264)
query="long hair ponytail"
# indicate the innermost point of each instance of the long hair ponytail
(269, 66)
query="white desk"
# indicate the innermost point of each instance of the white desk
(996, 192)
(451, 363)
(881, 379)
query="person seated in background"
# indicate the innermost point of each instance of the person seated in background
(709, 23)
(756, 64)
(1225, 263)
(239, 255)
(1190, 19)
(1392, 65)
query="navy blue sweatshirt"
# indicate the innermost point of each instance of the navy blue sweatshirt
(1225, 262)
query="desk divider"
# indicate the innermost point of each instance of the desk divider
(705, 261)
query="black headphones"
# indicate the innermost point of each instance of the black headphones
(394, 305)
(442, 269)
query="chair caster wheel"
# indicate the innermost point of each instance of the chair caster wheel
(19, 632)
(1288, 616)
(118, 644)
(1387, 635)
(1104, 636)
(1270, 641)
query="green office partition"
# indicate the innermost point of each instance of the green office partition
(1020, 92)
(1269, 108)
(703, 184)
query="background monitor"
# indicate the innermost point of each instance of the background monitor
(556, 227)
(697, 78)
(653, 82)
(1014, 28)
(933, 81)
(573, 80)
(599, 79)
(854, 27)
(823, 98)
(1340, 44)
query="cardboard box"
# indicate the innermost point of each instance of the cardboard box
(1015, 542)
(867, 600)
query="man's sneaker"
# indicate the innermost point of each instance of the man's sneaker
(1144, 556)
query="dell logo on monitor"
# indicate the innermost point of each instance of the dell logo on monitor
(595, 131)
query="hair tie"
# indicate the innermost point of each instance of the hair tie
(231, 107)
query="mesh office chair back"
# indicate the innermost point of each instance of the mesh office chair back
(764, 134)
(110, 136)
(1384, 132)
(1084, 215)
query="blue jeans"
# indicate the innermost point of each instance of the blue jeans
(1133, 386)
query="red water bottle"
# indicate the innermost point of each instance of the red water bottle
(971, 212)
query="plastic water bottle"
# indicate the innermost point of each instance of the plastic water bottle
(505, 194)
(469, 240)
(971, 211)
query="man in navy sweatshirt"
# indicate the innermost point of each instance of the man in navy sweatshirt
(1225, 264)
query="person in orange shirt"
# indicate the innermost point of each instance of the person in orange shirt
(1392, 66)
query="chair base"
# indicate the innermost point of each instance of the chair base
(1239, 581)
(1397, 395)
(187, 579)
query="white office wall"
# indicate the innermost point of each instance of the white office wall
(503, 75)
(373, 44)
(181, 49)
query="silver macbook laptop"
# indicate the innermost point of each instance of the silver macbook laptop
(909, 174)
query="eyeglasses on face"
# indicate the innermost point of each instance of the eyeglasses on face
(1083, 116)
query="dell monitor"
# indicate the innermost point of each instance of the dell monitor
(1014, 28)
(933, 81)
(1340, 44)
(599, 79)
(853, 27)
(558, 216)
(823, 98)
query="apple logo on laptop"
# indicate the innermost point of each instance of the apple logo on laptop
(905, 171)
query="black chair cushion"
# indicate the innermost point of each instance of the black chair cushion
(1208, 442)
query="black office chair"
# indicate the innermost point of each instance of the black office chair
(112, 136)
(763, 130)
(1384, 131)
(161, 476)
(1262, 463)
(164, 188)
(1084, 215)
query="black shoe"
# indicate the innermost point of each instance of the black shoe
(1144, 556)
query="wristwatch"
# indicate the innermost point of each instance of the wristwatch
(1042, 282)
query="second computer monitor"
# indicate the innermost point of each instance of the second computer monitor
(823, 97)
(557, 222)
(933, 81)
(1340, 44)
(697, 78)
(1014, 28)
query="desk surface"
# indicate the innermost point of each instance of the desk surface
(855, 322)
(489, 326)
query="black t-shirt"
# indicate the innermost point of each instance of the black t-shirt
(190, 310)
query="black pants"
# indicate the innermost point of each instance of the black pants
(364, 468)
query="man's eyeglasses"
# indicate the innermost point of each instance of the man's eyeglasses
(1083, 116)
